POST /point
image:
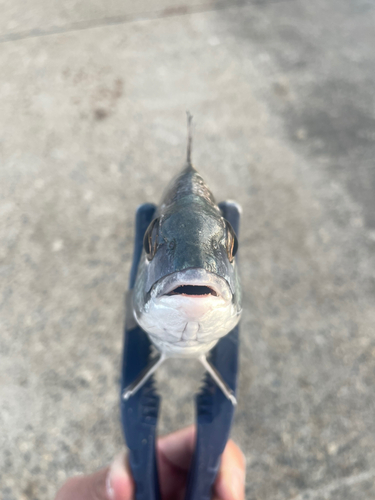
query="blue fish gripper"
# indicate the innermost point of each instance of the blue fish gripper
(139, 413)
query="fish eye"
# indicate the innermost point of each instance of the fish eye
(150, 239)
(232, 241)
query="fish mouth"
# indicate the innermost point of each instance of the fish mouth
(193, 291)
(193, 283)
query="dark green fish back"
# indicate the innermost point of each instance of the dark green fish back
(188, 184)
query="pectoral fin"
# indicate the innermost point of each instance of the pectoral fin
(218, 379)
(143, 377)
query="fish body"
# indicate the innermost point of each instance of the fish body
(187, 292)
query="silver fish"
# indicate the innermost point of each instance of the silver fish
(187, 292)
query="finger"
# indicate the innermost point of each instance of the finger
(177, 448)
(112, 483)
(174, 457)
(230, 482)
(85, 487)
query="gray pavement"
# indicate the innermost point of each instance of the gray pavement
(93, 98)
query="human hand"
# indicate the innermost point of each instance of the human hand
(174, 454)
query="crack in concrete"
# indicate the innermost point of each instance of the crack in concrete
(181, 10)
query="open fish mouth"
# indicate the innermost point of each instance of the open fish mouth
(193, 283)
(193, 291)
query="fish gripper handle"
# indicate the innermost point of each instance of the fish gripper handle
(214, 410)
(139, 413)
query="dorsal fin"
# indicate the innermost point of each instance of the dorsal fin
(189, 139)
(188, 184)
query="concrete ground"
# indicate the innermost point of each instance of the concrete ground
(93, 97)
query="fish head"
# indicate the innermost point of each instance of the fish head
(187, 293)
(190, 237)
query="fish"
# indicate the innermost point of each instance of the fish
(187, 292)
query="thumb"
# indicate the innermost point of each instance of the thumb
(111, 483)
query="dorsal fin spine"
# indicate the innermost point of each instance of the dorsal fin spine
(190, 139)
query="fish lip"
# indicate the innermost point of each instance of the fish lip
(193, 276)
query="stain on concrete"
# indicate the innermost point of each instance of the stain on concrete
(328, 103)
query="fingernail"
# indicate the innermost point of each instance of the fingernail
(117, 475)
(109, 488)
(237, 483)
